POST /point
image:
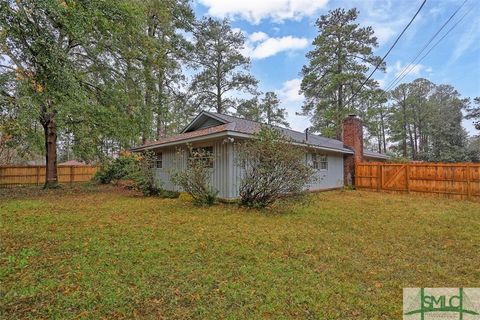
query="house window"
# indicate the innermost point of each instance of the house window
(202, 154)
(320, 162)
(159, 161)
(314, 161)
(323, 162)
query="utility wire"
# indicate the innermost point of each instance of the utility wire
(436, 43)
(411, 64)
(388, 52)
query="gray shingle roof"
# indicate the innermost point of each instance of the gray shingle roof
(375, 155)
(251, 127)
(235, 124)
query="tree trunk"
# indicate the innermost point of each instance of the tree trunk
(50, 130)
(404, 140)
(162, 103)
(415, 140)
(410, 137)
(219, 90)
(382, 123)
(379, 138)
(149, 88)
(339, 128)
(404, 124)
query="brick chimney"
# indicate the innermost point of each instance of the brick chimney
(352, 137)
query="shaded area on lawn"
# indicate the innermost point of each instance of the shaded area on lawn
(98, 252)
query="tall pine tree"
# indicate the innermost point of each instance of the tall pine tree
(224, 70)
(267, 110)
(342, 54)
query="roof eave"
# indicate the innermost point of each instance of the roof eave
(183, 141)
(232, 134)
(376, 157)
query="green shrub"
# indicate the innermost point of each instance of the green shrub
(143, 175)
(117, 169)
(168, 194)
(272, 167)
(135, 167)
(195, 179)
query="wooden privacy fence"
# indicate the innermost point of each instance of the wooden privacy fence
(458, 180)
(27, 175)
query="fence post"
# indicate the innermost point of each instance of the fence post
(407, 176)
(355, 174)
(38, 175)
(379, 170)
(469, 188)
(381, 176)
(72, 174)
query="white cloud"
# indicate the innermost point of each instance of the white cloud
(292, 101)
(398, 69)
(469, 39)
(258, 36)
(387, 18)
(271, 46)
(257, 10)
(384, 33)
(260, 45)
(413, 70)
(289, 92)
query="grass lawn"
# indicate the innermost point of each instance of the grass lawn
(90, 252)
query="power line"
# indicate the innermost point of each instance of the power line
(436, 43)
(389, 86)
(388, 52)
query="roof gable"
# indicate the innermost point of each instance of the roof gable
(202, 121)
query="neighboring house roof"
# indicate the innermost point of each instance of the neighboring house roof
(374, 155)
(34, 163)
(209, 125)
(72, 163)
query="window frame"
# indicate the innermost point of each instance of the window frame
(319, 161)
(159, 160)
(315, 163)
(323, 162)
(209, 158)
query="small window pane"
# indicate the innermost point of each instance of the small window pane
(323, 162)
(319, 161)
(159, 161)
(314, 161)
(203, 154)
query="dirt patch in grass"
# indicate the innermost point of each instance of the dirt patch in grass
(93, 252)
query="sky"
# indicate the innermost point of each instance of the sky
(279, 33)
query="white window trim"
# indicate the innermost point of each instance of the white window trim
(159, 160)
(209, 156)
(319, 160)
(323, 161)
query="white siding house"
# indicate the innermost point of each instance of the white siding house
(221, 135)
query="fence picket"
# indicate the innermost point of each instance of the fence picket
(445, 179)
(26, 175)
